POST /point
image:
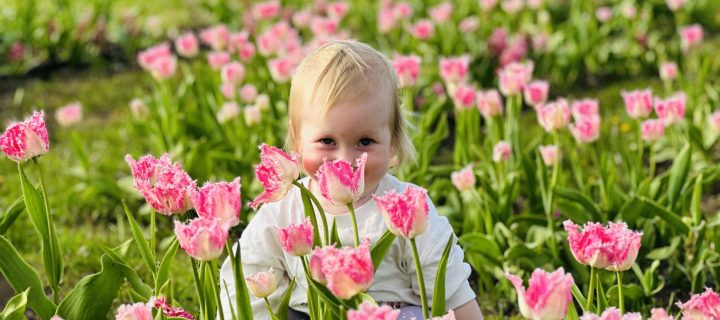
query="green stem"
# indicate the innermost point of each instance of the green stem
(317, 204)
(203, 311)
(421, 279)
(640, 154)
(621, 299)
(55, 283)
(354, 224)
(588, 305)
(269, 309)
(551, 196)
(216, 292)
(152, 231)
(652, 161)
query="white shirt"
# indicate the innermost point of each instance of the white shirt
(395, 279)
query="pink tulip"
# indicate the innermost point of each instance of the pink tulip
(262, 101)
(217, 59)
(203, 238)
(423, 29)
(248, 93)
(187, 45)
(701, 306)
(407, 69)
(628, 10)
(147, 58)
(550, 155)
(246, 52)
(229, 110)
(233, 72)
(463, 179)
(638, 103)
(586, 130)
(624, 248)
(161, 304)
(403, 10)
(514, 52)
(281, 69)
(547, 296)
(536, 93)
(228, 90)
(24, 140)
(539, 41)
(614, 248)
(322, 26)
(487, 5)
(535, 4)
(554, 115)
(514, 77)
(386, 20)
(262, 284)
(220, 201)
(238, 40)
(652, 130)
(296, 239)
(668, 71)
(715, 121)
(347, 271)
(501, 151)
(675, 5)
(136, 311)
(448, 316)
(266, 10)
(585, 108)
(17, 51)
(469, 24)
(164, 67)
(301, 19)
(464, 96)
(489, 103)
(165, 186)
(405, 213)
(660, 314)
(512, 6)
(612, 313)
(217, 37)
(69, 115)
(56, 317)
(138, 108)
(497, 42)
(691, 36)
(603, 14)
(339, 183)
(454, 69)
(337, 10)
(369, 311)
(276, 172)
(672, 109)
(441, 13)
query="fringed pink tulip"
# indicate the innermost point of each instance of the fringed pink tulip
(217, 59)
(187, 45)
(704, 306)
(586, 130)
(164, 67)
(585, 108)
(56, 317)
(369, 311)
(233, 72)
(337, 10)
(229, 111)
(281, 69)
(501, 152)
(469, 24)
(248, 93)
(464, 96)
(161, 304)
(691, 36)
(405, 213)
(276, 172)
(323, 27)
(423, 29)
(202, 239)
(24, 140)
(550, 155)
(69, 115)
(441, 13)
(262, 284)
(536, 93)
(296, 239)
(660, 314)
(554, 115)
(148, 57)
(454, 69)
(612, 313)
(512, 6)
(448, 316)
(668, 71)
(164, 185)
(489, 103)
(672, 109)
(339, 182)
(463, 179)
(407, 69)
(603, 14)
(220, 201)
(217, 37)
(228, 90)
(547, 296)
(590, 246)
(348, 271)
(266, 10)
(136, 311)
(624, 246)
(675, 5)
(514, 77)
(652, 130)
(638, 103)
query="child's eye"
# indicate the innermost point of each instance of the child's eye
(326, 141)
(366, 142)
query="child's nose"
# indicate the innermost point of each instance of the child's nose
(348, 154)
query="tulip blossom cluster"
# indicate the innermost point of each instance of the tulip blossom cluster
(346, 272)
(547, 296)
(614, 248)
(25, 140)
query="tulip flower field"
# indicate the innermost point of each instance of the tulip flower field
(572, 145)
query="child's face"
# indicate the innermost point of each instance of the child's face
(344, 132)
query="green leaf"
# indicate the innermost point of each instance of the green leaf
(92, 297)
(142, 244)
(22, 277)
(695, 209)
(381, 247)
(15, 209)
(678, 174)
(15, 307)
(579, 297)
(162, 275)
(664, 252)
(132, 277)
(572, 312)
(482, 244)
(581, 199)
(310, 213)
(285, 302)
(636, 206)
(438, 304)
(242, 297)
(40, 216)
(334, 238)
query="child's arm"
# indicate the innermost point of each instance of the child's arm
(468, 311)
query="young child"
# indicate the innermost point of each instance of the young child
(344, 101)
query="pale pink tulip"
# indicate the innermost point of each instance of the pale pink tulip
(276, 172)
(339, 183)
(628, 10)
(229, 110)
(638, 103)
(405, 213)
(262, 101)
(69, 115)
(246, 52)
(512, 6)
(24, 140)
(463, 179)
(514, 52)
(219, 201)
(228, 90)
(441, 13)
(248, 93)
(660, 314)
(337, 10)
(668, 71)
(550, 155)
(487, 5)
(233, 72)
(238, 40)
(489, 103)
(585, 108)
(262, 284)
(266, 10)
(675, 5)
(469, 24)
(164, 67)
(672, 109)
(612, 313)
(301, 19)
(56, 317)
(202, 239)
(514, 77)
(554, 115)
(187, 45)
(691, 36)
(704, 306)
(534, 4)
(217, 59)
(386, 20)
(217, 37)
(497, 42)
(296, 239)
(536, 92)
(603, 14)
(369, 311)
(501, 151)
(407, 69)
(715, 121)
(138, 108)
(454, 69)
(164, 185)
(147, 58)
(281, 69)
(348, 271)
(322, 26)
(652, 130)
(136, 311)
(547, 296)
(464, 96)
(586, 129)
(423, 29)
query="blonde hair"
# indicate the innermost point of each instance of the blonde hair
(346, 70)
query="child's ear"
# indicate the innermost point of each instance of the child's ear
(394, 161)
